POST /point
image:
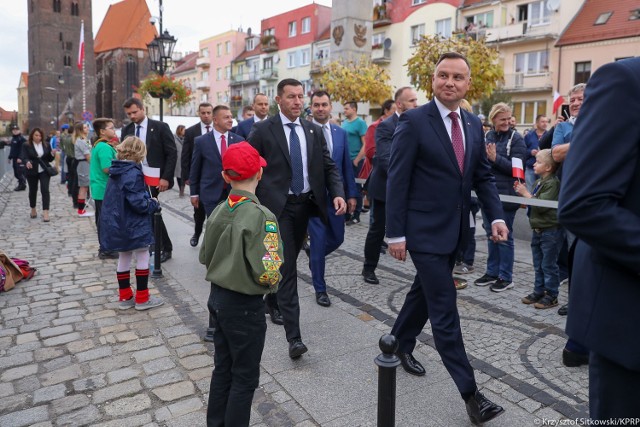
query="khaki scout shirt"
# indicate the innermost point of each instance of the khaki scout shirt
(242, 249)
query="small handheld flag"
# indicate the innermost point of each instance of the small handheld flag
(151, 176)
(558, 100)
(516, 168)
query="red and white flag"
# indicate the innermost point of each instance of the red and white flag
(516, 168)
(151, 176)
(558, 100)
(81, 47)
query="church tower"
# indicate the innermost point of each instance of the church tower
(55, 80)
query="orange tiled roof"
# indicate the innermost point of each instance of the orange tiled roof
(257, 49)
(583, 29)
(7, 116)
(125, 26)
(326, 34)
(24, 76)
(187, 63)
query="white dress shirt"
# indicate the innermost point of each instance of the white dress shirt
(327, 135)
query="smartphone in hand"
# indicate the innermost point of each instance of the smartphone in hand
(565, 111)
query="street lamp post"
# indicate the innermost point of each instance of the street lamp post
(60, 82)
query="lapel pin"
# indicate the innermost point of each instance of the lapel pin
(311, 131)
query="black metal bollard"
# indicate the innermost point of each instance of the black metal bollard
(387, 363)
(157, 230)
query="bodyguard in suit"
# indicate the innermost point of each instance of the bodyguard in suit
(406, 99)
(161, 153)
(327, 238)
(205, 112)
(294, 187)
(437, 155)
(600, 204)
(260, 109)
(205, 177)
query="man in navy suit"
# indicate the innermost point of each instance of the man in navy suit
(161, 153)
(294, 187)
(437, 155)
(327, 238)
(205, 112)
(406, 99)
(205, 177)
(600, 204)
(260, 109)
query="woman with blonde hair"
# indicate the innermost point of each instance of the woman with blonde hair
(82, 153)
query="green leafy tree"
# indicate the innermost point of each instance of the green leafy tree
(487, 102)
(486, 72)
(359, 81)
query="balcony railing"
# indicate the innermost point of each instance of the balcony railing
(381, 56)
(203, 85)
(522, 82)
(318, 64)
(522, 30)
(269, 44)
(245, 77)
(268, 74)
(380, 16)
(203, 61)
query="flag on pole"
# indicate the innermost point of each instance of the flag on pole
(558, 100)
(81, 47)
(516, 168)
(151, 176)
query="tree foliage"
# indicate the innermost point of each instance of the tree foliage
(486, 72)
(359, 81)
(486, 103)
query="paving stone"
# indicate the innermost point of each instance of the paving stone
(12, 403)
(194, 362)
(25, 338)
(199, 374)
(61, 339)
(60, 362)
(43, 354)
(182, 408)
(15, 360)
(176, 331)
(174, 391)
(128, 405)
(110, 363)
(69, 403)
(27, 384)
(72, 312)
(90, 384)
(80, 346)
(183, 340)
(26, 417)
(6, 389)
(113, 329)
(163, 378)
(67, 320)
(134, 421)
(85, 416)
(67, 305)
(122, 375)
(96, 353)
(112, 392)
(61, 375)
(19, 372)
(190, 350)
(23, 348)
(189, 420)
(126, 336)
(140, 344)
(47, 394)
(150, 354)
(58, 330)
(158, 365)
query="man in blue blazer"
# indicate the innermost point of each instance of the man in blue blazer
(325, 239)
(405, 99)
(260, 109)
(600, 204)
(206, 183)
(437, 155)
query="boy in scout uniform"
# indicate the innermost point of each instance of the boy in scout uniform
(242, 251)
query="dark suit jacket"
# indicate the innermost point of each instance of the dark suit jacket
(205, 179)
(340, 155)
(269, 139)
(190, 135)
(29, 154)
(244, 127)
(427, 197)
(377, 188)
(600, 204)
(161, 147)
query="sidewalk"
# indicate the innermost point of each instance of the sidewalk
(69, 357)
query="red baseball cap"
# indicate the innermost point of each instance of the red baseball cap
(242, 159)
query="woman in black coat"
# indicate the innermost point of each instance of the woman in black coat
(35, 151)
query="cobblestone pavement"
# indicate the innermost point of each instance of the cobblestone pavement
(69, 357)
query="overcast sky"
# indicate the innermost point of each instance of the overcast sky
(188, 20)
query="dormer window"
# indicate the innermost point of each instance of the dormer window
(603, 18)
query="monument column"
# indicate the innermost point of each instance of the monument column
(351, 29)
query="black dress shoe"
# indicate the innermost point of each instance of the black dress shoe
(276, 316)
(481, 409)
(410, 364)
(165, 255)
(194, 240)
(307, 248)
(297, 348)
(564, 310)
(370, 277)
(323, 299)
(208, 336)
(572, 359)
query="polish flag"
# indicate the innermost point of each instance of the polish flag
(516, 168)
(151, 176)
(558, 100)
(81, 47)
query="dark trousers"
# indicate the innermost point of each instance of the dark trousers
(43, 178)
(293, 222)
(433, 297)
(199, 216)
(467, 254)
(238, 339)
(613, 390)
(375, 235)
(324, 239)
(358, 209)
(97, 217)
(166, 246)
(72, 179)
(18, 172)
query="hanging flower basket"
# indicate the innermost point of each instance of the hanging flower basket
(164, 94)
(165, 87)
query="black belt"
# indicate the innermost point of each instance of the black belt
(540, 230)
(300, 198)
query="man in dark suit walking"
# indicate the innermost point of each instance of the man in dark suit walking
(260, 109)
(327, 238)
(205, 111)
(294, 187)
(406, 99)
(161, 153)
(437, 155)
(600, 203)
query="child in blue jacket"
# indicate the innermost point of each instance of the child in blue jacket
(125, 223)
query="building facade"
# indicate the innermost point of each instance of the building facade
(23, 101)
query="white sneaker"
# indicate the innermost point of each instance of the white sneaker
(151, 303)
(127, 304)
(86, 213)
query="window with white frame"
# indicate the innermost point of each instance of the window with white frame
(205, 75)
(267, 63)
(532, 62)
(526, 112)
(227, 47)
(377, 40)
(227, 72)
(481, 20)
(240, 69)
(535, 13)
(250, 44)
(204, 52)
(417, 31)
(204, 97)
(219, 49)
(291, 59)
(305, 57)
(415, 2)
(218, 73)
(292, 29)
(306, 25)
(443, 28)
